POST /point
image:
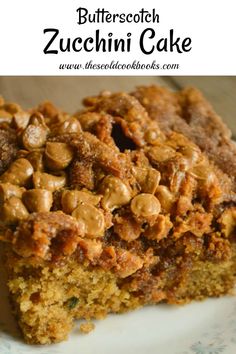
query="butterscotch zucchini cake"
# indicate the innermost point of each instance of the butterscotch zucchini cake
(129, 202)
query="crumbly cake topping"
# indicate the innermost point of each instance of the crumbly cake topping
(107, 186)
(187, 112)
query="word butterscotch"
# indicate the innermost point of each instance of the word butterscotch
(104, 16)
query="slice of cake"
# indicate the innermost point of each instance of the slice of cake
(113, 208)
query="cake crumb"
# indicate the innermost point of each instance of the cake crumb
(86, 327)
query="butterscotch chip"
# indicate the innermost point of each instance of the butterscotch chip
(34, 136)
(91, 220)
(58, 156)
(48, 181)
(70, 125)
(12, 107)
(145, 205)
(19, 172)
(115, 193)
(36, 159)
(20, 120)
(38, 200)
(148, 179)
(166, 198)
(13, 211)
(5, 117)
(48, 110)
(8, 190)
(72, 198)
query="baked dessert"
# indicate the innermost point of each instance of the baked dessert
(116, 207)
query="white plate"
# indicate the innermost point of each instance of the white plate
(207, 327)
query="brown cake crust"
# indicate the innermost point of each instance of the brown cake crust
(109, 210)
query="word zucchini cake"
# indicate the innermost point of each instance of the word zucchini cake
(130, 201)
